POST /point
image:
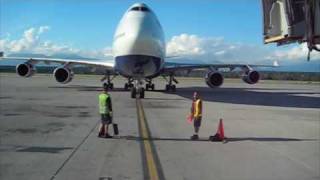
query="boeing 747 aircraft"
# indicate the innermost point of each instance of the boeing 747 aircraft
(139, 55)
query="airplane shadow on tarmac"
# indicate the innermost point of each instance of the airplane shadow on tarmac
(85, 88)
(247, 96)
(34, 149)
(229, 139)
(254, 96)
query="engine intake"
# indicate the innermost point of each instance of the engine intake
(25, 69)
(251, 77)
(214, 79)
(63, 75)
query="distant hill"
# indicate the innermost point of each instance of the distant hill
(306, 66)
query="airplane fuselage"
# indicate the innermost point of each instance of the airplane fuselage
(139, 45)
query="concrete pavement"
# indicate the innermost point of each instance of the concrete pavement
(49, 131)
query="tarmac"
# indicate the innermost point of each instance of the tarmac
(49, 131)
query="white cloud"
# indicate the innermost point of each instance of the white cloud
(31, 42)
(210, 49)
(28, 41)
(48, 48)
(185, 44)
(3, 43)
(220, 52)
(43, 29)
(296, 53)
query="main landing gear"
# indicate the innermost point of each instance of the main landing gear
(149, 85)
(170, 86)
(137, 89)
(129, 84)
(108, 83)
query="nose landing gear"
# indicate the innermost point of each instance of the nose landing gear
(137, 89)
(139, 92)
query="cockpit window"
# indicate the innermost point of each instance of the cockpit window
(135, 9)
(144, 9)
(139, 8)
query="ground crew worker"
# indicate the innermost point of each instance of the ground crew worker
(196, 112)
(105, 110)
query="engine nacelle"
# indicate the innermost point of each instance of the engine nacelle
(251, 77)
(63, 75)
(214, 79)
(25, 69)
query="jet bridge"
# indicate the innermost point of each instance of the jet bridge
(290, 21)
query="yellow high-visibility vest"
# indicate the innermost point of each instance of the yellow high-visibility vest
(197, 108)
(103, 108)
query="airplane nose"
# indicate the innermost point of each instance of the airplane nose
(141, 40)
(139, 33)
(139, 46)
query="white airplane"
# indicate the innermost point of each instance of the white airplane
(139, 55)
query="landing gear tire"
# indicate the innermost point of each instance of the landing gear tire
(133, 93)
(170, 87)
(167, 87)
(109, 86)
(150, 87)
(128, 85)
(142, 93)
(107, 80)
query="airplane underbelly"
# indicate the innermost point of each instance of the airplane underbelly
(138, 65)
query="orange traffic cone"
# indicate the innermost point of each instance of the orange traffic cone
(219, 136)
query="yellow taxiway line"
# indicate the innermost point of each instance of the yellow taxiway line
(145, 135)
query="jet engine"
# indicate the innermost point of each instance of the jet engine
(63, 75)
(214, 79)
(251, 77)
(25, 69)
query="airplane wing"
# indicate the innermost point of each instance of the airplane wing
(172, 67)
(214, 78)
(33, 60)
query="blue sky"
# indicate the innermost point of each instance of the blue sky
(98, 18)
(223, 29)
